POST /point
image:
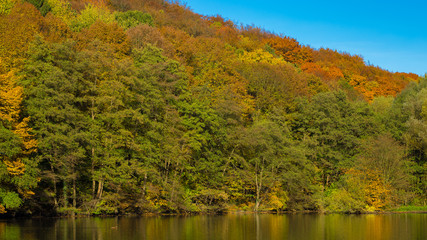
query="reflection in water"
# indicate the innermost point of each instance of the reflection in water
(232, 226)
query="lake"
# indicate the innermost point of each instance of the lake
(231, 226)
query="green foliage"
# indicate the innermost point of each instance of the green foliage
(106, 206)
(385, 155)
(334, 126)
(61, 9)
(195, 114)
(149, 54)
(6, 6)
(408, 124)
(274, 86)
(10, 144)
(410, 209)
(340, 200)
(42, 5)
(130, 19)
(10, 200)
(55, 89)
(89, 16)
(17, 173)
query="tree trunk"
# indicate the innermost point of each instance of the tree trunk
(64, 194)
(144, 189)
(258, 184)
(100, 189)
(55, 191)
(74, 193)
(93, 171)
(93, 152)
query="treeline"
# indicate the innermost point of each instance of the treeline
(128, 106)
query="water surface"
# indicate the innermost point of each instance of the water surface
(231, 226)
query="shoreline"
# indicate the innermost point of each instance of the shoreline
(389, 212)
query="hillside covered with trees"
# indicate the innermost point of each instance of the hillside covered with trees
(143, 106)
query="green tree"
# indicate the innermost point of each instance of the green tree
(52, 89)
(78, 104)
(130, 19)
(89, 16)
(276, 165)
(42, 5)
(408, 115)
(334, 126)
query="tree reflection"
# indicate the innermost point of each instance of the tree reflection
(231, 226)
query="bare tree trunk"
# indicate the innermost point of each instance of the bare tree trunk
(258, 184)
(93, 153)
(144, 189)
(55, 191)
(64, 194)
(93, 171)
(73, 213)
(74, 193)
(100, 189)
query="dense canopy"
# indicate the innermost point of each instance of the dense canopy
(128, 106)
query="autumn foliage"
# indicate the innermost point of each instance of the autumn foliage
(118, 106)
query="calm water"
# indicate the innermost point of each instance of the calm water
(233, 226)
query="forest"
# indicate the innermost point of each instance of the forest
(143, 106)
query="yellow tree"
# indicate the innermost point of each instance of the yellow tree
(260, 56)
(17, 30)
(16, 142)
(371, 185)
(10, 108)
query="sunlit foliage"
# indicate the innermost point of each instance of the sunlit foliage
(127, 106)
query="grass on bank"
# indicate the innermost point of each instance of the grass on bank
(410, 209)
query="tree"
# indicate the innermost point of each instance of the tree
(42, 5)
(142, 35)
(290, 50)
(276, 166)
(17, 176)
(130, 19)
(384, 156)
(409, 125)
(334, 126)
(89, 16)
(359, 190)
(12, 171)
(17, 30)
(274, 86)
(61, 9)
(52, 86)
(107, 33)
(6, 6)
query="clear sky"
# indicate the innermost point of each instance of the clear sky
(389, 34)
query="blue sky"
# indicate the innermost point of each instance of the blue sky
(389, 34)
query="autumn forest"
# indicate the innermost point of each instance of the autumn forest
(143, 106)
